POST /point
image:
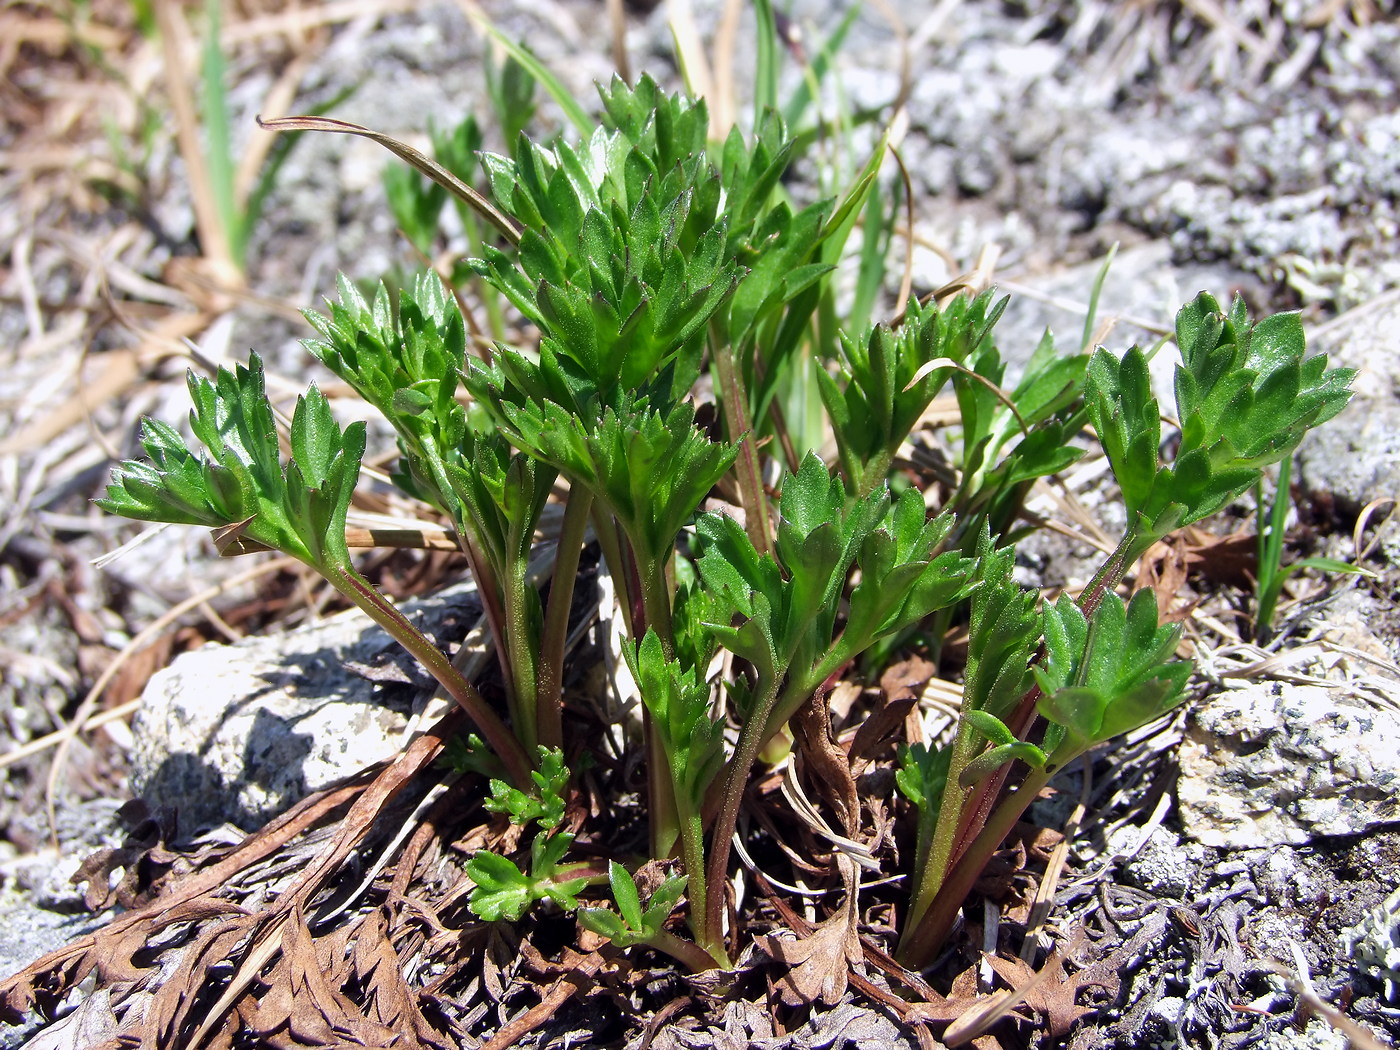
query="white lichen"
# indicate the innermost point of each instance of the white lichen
(1374, 943)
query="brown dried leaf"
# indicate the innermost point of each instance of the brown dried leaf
(906, 679)
(1050, 993)
(817, 964)
(830, 767)
(819, 960)
(883, 725)
(322, 1014)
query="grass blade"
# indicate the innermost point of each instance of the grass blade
(555, 88)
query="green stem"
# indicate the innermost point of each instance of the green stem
(874, 473)
(1111, 572)
(736, 415)
(1270, 546)
(751, 740)
(488, 589)
(693, 855)
(522, 677)
(663, 815)
(690, 955)
(656, 603)
(609, 539)
(497, 736)
(923, 939)
(947, 828)
(549, 698)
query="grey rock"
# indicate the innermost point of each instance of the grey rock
(32, 931)
(1269, 764)
(1168, 1008)
(1282, 879)
(240, 733)
(1143, 285)
(1163, 866)
(1356, 457)
(1319, 1035)
(1274, 932)
(42, 909)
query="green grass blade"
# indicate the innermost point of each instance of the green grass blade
(817, 70)
(1093, 313)
(553, 87)
(874, 257)
(767, 60)
(217, 146)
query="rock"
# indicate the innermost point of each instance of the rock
(1269, 763)
(1356, 456)
(1373, 945)
(1319, 1035)
(1168, 1009)
(1143, 283)
(43, 909)
(239, 733)
(1163, 866)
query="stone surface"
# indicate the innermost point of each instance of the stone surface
(1272, 763)
(239, 733)
(1163, 866)
(1356, 457)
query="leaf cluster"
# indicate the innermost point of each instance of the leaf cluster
(780, 611)
(888, 377)
(678, 699)
(243, 486)
(622, 259)
(545, 804)
(1010, 441)
(1245, 397)
(631, 924)
(1106, 674)
(504, 892)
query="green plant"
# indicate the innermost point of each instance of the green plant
(1271, 524)
(675, 290)
(228, 189)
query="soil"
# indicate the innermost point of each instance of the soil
(1241, 146)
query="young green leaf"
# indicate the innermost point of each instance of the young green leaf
(545, 805)
(905, 574)
(624, 890)
(299, 510)
(1002, 636)
(502, 890)
(922, 777)
(887, 380)
(1245, 396)
(679, 702)
(1104, 676)
(634, 926)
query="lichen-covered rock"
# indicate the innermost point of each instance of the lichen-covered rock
(1356, 456)
(1374, 943)
(1271, 763)
(238, 733)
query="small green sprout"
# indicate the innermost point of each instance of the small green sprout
(544, 805)
(504, 892)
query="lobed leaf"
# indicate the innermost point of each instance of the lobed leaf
(299, 509)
